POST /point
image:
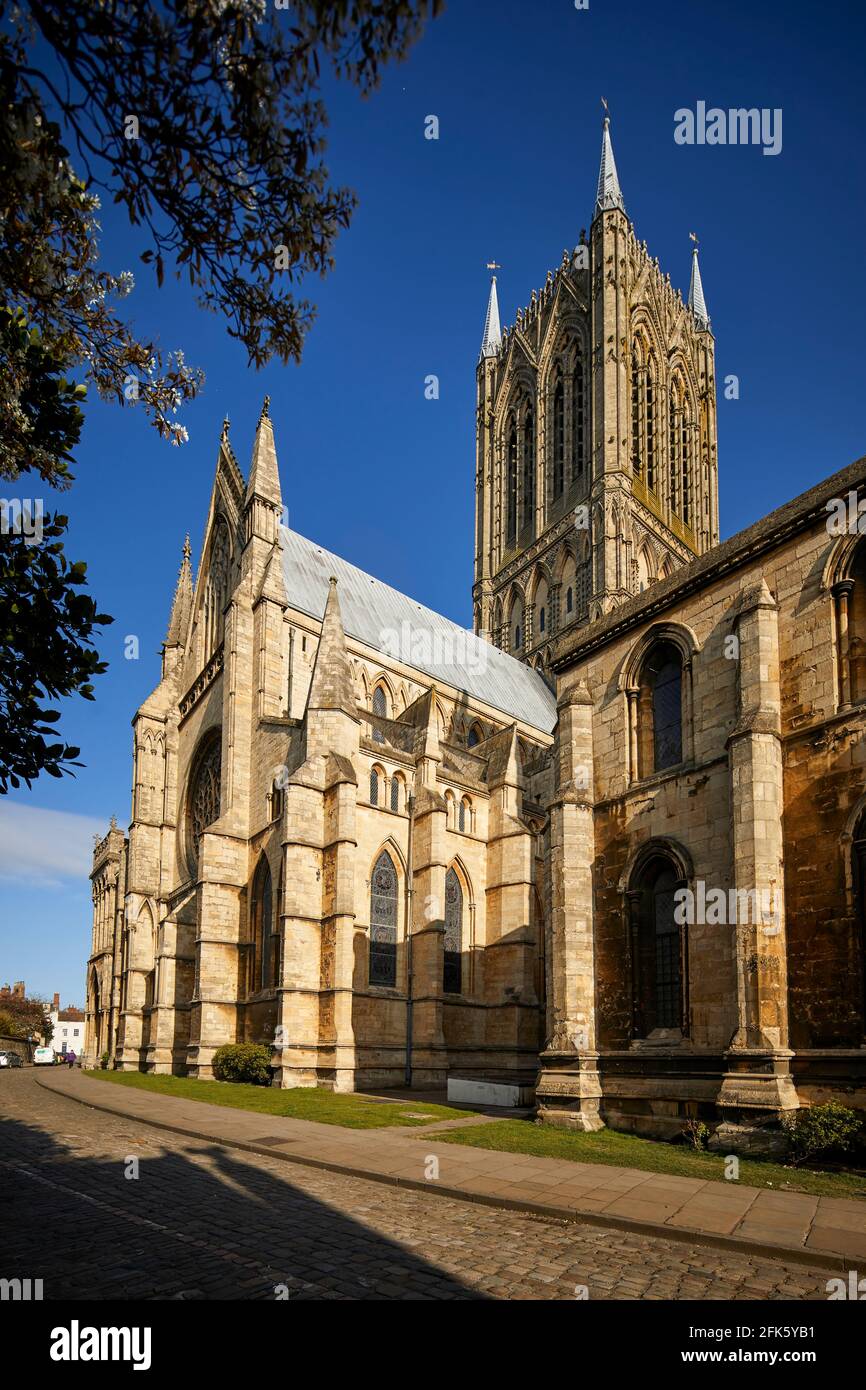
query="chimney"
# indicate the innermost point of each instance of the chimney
(56, 1005)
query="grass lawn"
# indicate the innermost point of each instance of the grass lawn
(630, 1151)
(301, 1103)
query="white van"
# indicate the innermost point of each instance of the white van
(43, 1056)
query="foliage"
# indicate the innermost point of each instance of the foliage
(819, 1130)
(696, 1133)
(46, 652)
(103, 1061)
(201, 119)
(24, 1018)
(246, 1062)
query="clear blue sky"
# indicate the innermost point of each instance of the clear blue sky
(381, 475)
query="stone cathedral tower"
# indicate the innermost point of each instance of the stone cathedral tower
(596, 436)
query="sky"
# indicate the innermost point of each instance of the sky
(372, 469)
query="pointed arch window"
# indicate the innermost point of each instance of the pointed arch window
(216, 588)
(374, 786)
(395, 793)
(644, 423)
(528, 499)
(578, 418)
(637, 411)
(686, 465)
(511, 486)
(474, 737)
(658, 950)
(204, 796)
(264, 940)
(675, 439)
(383, 922)
(660, 709)
(558, 440)
(452, 981)
(651, 427)
(569, 600)
(380, 706)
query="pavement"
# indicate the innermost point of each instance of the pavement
(829, 1232)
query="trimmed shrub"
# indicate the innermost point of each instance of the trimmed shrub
(103, 1061)
(247, 1062)
(818, 1130)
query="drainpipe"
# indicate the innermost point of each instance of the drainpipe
(408, 932)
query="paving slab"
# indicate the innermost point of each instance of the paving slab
(826, 1230)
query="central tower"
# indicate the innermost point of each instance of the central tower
(596, 469)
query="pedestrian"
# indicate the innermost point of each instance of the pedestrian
(70, 1057)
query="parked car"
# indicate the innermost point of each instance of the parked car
(10, 1059)
(43, 1056)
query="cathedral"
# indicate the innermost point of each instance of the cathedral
(610, 845)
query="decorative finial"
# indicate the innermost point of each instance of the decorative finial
(606, 110)
(693, 237)
(226, 428)
(113, 822)
(187, 548)
(266, 408)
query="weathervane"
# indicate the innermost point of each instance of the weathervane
(493, 265)
(693, 237)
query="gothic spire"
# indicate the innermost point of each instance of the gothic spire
(609, 194)
(182, 604)
(697, 303)
(264, 479)
(492, 339)
(331, 686)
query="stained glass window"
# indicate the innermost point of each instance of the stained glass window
(383, 922)
(452, 973)
(204, 799)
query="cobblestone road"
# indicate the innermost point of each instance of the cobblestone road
(203, 1221)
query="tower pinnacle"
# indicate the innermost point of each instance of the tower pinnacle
(492, 339)
(697, 303)
(609, 194)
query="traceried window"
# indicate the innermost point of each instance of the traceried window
(558, 440)
(204, 795)
(383, 922)
(528, 498)
(686, 466)
(216, 588)
(452, 972)
(578, 418)
(380, 706)
(511, 486)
